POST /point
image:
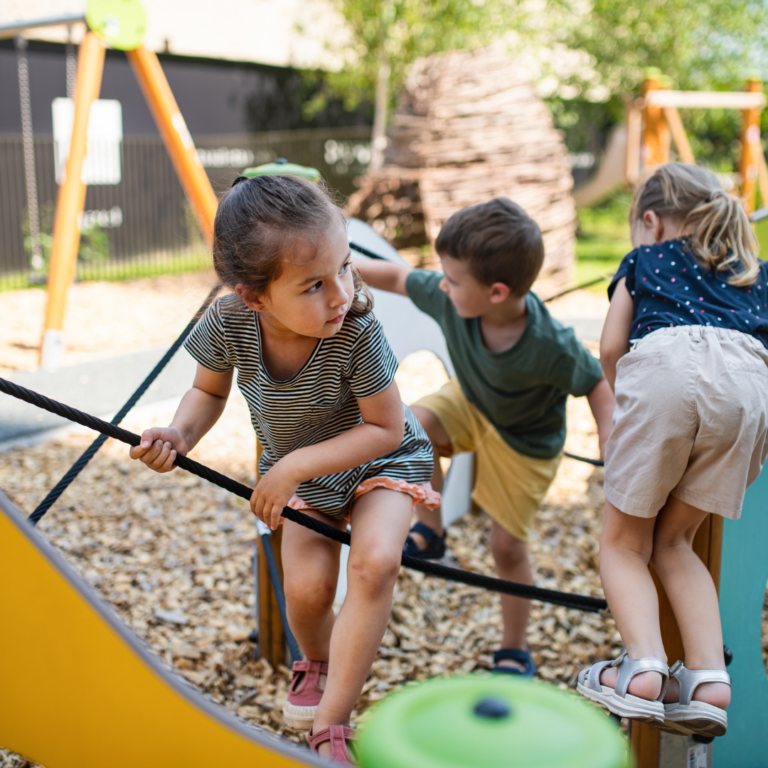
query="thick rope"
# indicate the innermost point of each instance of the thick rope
(28, 143)
(578, 287)
(579, 602)
(585, 459)
(93, 448)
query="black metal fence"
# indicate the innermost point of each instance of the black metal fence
(143, 225)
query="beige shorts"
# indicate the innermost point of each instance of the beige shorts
(509, 486)
(691, 420)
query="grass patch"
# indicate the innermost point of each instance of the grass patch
(155, 265)
(602, 239)
(138, 268)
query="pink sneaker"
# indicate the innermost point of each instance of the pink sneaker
(339, 736)
(304, 694)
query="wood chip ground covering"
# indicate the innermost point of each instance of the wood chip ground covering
(172, 554)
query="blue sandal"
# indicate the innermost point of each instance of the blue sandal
(435, 548)
(513, 654)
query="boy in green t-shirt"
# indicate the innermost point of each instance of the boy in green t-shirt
(515, 366)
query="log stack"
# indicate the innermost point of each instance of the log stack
(469, 127)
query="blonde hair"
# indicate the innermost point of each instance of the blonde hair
(722, 238)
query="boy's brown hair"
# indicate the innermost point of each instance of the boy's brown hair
(499, 241)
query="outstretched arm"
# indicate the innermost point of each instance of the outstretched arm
(199, 410)
(602, 402)
(384, 275)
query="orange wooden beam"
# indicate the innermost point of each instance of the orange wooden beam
(656, 138)
(69, 207)
(750, 147)
(176, 136)
(707, 544)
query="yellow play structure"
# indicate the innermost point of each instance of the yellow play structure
(81, 691)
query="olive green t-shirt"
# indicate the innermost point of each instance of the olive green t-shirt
(522, 390)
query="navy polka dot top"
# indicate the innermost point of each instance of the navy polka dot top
(669, 287)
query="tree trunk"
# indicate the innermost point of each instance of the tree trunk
(379, 135)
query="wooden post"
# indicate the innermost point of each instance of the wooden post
(707, 544)
(672, 116)
(656, 136)
(750, 147)
(634, 141)
(176, 136)
(272, 639)
(69, 206)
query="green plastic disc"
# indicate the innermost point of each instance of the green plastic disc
(487, 721)
(283, 167)
(120, 24)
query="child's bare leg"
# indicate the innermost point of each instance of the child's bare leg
(438, 437)
(311, 571)
(626, 544)
(380, 523)
(512, 564)
(692, 594)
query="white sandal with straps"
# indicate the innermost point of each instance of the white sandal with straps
(686, 716)
(617, 700)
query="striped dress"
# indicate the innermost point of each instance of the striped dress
(317, 403)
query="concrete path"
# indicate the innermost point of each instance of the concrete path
(99, 387)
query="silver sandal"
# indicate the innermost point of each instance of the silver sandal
(686, 716)
(617, 700)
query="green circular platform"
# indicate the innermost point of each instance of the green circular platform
(120, 24)
(487, 721)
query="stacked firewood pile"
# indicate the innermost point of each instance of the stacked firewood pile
(470, 127)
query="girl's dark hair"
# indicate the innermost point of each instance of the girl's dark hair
(722, 239)
(257, 222)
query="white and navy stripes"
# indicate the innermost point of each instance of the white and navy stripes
(318, 403)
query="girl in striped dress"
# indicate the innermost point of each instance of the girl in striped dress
(318, 375)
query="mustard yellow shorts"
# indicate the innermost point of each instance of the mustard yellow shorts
(508, 485)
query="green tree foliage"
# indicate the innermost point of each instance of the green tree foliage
(715, 44)
(712, 45)
(399, 32)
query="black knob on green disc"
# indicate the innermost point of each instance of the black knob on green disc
(494, 709)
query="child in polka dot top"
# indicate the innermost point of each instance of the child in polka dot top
(685, 346)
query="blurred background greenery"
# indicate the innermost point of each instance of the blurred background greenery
(586, 59)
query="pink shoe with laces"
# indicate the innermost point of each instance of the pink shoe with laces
(304, 694)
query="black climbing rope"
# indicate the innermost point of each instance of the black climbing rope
(585, 459)
(93, 448)
(578, 287)
(579, 602)
(277, 584)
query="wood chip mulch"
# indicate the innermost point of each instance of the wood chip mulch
(172, 554)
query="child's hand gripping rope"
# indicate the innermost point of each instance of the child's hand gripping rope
(159, 447)
(273, 492)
